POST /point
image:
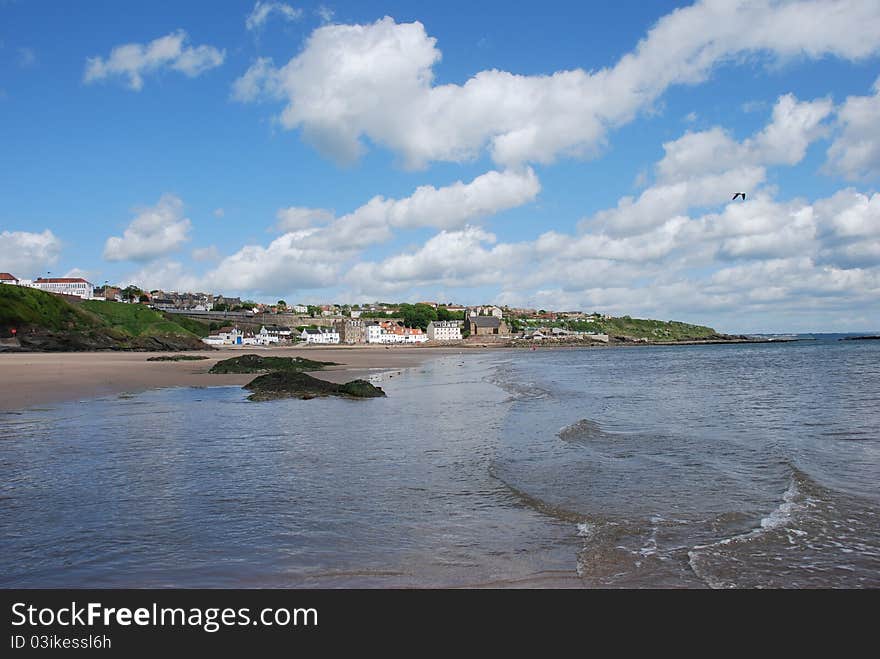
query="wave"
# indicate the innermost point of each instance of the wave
(581, 431)
(713, 562)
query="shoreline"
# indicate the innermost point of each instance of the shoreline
(44, 378)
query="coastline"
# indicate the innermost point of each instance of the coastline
(45, 378)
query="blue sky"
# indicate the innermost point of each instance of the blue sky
(580, 156)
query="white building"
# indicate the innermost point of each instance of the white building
(388, 332)
(486, 311)
(6, 278)
(444, 330)
(66, 286)
(225, 336)
(274, 334)
(300, 308)
(321, 336)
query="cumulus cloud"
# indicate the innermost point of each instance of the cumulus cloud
(295, 218)
(655, 256)
(210, 253)
(133, 61)
(793, 127)
(262, 10)
(449, 258)
(442, 208)
(24, 254)
(315, 249)
(284, 264)
(376, 81)
(154, 232)
(702, 169)
(855, 153)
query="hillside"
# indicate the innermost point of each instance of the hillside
(46, 322)
(625, 328)
(653, 330)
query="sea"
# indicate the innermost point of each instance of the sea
(714, 466)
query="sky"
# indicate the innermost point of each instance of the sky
(579, 155)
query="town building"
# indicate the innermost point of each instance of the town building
(321, 335)
(444, 330)
(6, 278)
(351, 330)
(76, 286)
(274, 333)
(390, 332)
(485, 325)
(225, 336)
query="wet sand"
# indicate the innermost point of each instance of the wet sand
(31, 379)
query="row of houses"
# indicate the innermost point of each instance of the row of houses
(268, 335)
(75, 286)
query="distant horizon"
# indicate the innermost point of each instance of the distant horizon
(584, 156)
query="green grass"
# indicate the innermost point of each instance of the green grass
(197, 327)
(133, 319)
(654, 330)
(21, 306)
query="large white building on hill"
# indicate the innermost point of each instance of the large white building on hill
(66, 286)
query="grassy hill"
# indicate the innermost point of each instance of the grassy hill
(642, 328)
(656, 330)
(49, 322)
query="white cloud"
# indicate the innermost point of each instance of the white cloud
(134, 60)
(855, 154)
(450, 258)
(447, 207)
(25, 254)
(377, 81)
(283, 265)
(154, 232)
(165, 274)
(315, 248)
(79, 272)
(261, 11)
(784, 141)
(219, 212)
(210, 253)
(325, 13)
(295, 218)
(702, 169)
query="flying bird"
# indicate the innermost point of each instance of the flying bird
(739, 194)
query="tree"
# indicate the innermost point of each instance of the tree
(313, 310)
(417, 315)
(282, 304)
(131, 293)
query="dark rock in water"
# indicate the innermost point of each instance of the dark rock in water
(860, 338)
(258, 364)
(176, 358)
(361, 389)
(294, 384)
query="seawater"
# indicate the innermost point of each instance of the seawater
(694, 466)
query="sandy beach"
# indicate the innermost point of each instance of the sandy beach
(32, 379)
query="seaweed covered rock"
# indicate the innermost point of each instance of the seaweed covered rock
(295, 384)
(361, 389)
(258, 364)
